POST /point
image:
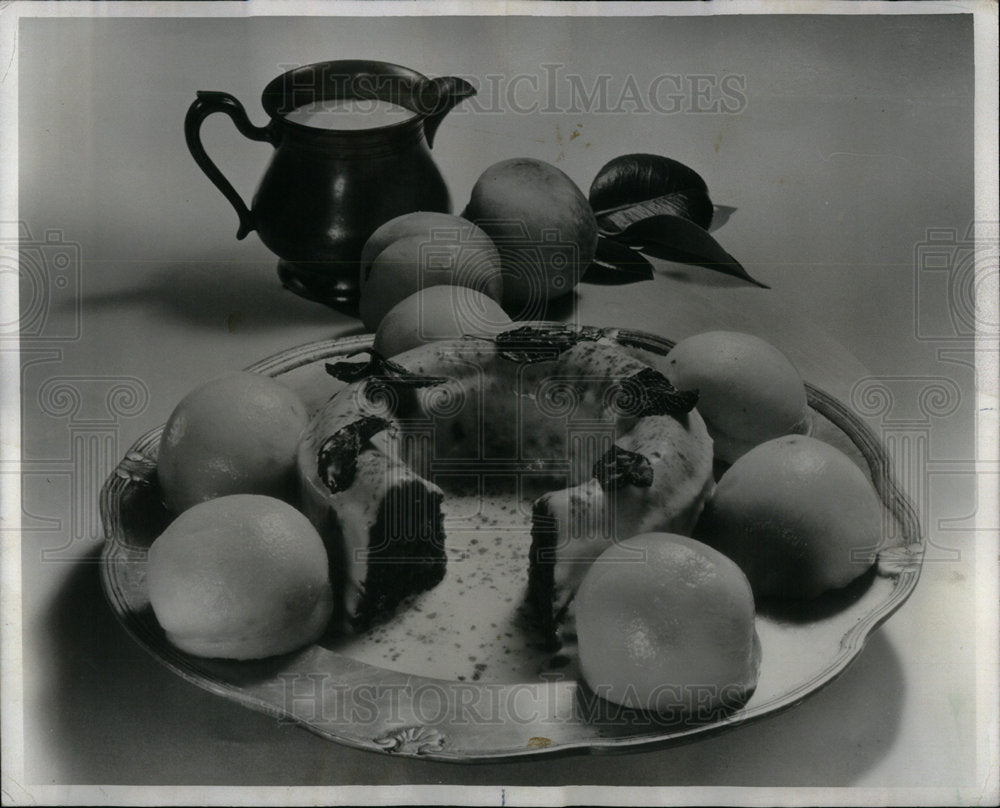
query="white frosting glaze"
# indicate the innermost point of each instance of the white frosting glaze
(550, 419)
(587, 519)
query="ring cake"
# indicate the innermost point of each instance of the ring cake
(571, 411)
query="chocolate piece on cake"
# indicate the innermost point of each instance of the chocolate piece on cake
(619, 467)
(649, 392)
(338, 456)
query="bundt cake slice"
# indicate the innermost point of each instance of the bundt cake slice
(657, 477)
(381, 522)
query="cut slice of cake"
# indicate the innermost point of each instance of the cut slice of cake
(381, 522)
(656, 478)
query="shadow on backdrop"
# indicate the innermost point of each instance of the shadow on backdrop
(237, 297)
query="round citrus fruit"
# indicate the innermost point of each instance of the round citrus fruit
(797, 516)
(748, 391)
(240, 577)
(237, 434)
(543, 226)
(412, 263)
(438, 312)
(435, 227)
(666, 624)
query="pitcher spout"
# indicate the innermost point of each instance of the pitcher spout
(439, 96)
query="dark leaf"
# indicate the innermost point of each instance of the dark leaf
(680, 203)
(528, 343)
(382, 370)
(617, 263)
(721, 216)
(638, 339)
(677, 239)
(352, 371)
(638, 178)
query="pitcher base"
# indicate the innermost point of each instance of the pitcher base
(334, 285)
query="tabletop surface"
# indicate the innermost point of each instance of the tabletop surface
(852, 143)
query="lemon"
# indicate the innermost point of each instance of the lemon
(419, 250)
(438, 312)
(665, 623)
(241, 577)
(543, 226)
(748, 391)
(433, 226)
(797, 516)
(237, 434)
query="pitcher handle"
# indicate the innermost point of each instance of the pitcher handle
(204, 105)
(440, 96)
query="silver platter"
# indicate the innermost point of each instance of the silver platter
(341, 695)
